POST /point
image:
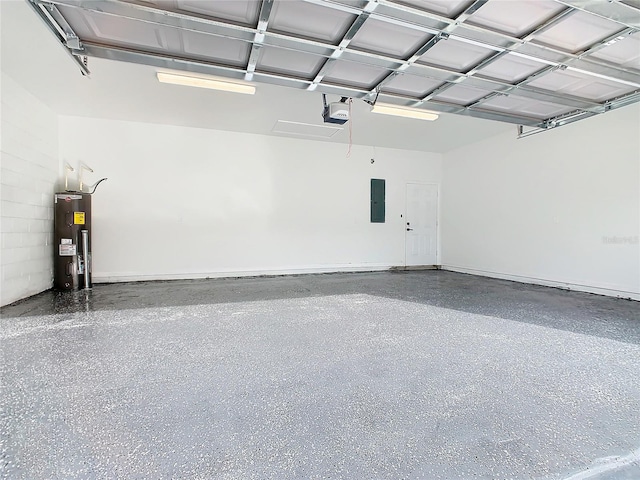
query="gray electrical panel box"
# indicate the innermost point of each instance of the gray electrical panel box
(377, 200)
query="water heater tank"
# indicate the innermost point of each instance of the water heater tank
(72, 256)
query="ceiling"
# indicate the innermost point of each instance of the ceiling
(535, 63)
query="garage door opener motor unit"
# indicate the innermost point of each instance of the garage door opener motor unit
(72, 239)
(336, 112)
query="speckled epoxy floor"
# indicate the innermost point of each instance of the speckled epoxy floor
(431, 375)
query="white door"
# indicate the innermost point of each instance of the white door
(421, 221)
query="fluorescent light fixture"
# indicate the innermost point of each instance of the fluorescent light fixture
(408, 112)
(206, 82)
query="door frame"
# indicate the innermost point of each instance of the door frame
(404, 223)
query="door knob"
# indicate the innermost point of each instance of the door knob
(409, 229)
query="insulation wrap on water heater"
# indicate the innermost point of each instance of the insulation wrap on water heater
(72, 256)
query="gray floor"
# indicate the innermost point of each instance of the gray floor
(431, 375)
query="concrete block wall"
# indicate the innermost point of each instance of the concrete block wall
(29, 172)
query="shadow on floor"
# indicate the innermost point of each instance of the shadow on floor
(576, 312)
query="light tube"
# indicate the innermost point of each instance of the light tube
(204, 82)
(408, 112)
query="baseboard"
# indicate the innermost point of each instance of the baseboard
(610, 292)
(408, 268)
(116, 277)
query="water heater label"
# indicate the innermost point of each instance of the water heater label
(78, 218)
(66, 241)
(67, 250)
(66, 197)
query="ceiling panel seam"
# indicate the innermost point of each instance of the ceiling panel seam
(125, 54)
(591, 7)
(514, 47)
(605, 42)
(428, 45)
(258, 38)
(550, 58)
(516, 42)
(357, 24)
(548, 24)
(488, 83)
(163, 61)
(110, 8)
(567, 65)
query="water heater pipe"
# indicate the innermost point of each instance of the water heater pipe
(95, 185)
(85, 254)
(84, 167)
(68, 168)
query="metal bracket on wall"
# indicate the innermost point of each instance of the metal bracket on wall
(60, 29)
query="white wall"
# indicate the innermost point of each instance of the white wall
(559, 208)
(185, 202)
(29, 167)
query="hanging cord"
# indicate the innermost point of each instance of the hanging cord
(350, 128)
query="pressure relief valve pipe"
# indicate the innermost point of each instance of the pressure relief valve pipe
(85, 254)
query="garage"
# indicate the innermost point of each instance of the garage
(320, 239)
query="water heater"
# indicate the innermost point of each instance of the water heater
(72, 258)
